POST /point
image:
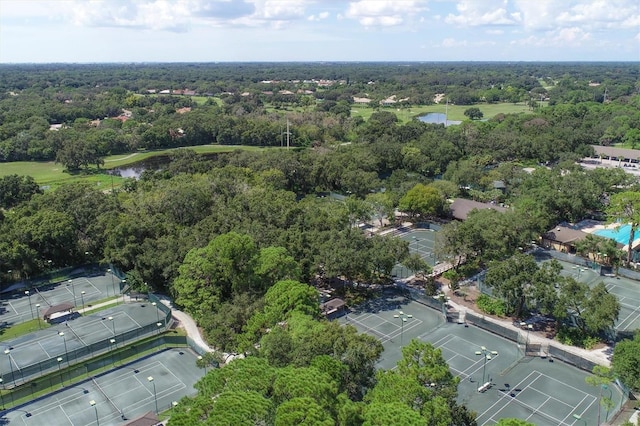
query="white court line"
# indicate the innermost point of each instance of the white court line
(633, 306)
(362, 319)
(14, 309)
(531, 386)
(92, 285)
(66, 415)
(512, 387)
(474, 361)
(577, 405)
(635, 317)
(43, 349)
(564, 384)
(414, 324)
(384, 336)
(625, 286)
(134, 321)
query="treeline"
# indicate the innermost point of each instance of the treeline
(104, 110)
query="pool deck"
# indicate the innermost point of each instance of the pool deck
(592, 226)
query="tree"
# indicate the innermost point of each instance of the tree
(473, 113)
(626, 362)
(602, 378)
(422, 201)
(417, 264)
(214, 273)
(601, 309)
(15, 189)
(624, 207)
(381, 205)
(596, 310)
(274, 264)
(512, 279)
(302, 411)
(282, 301)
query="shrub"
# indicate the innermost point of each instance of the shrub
(573, 336)
(430, 286)
(491, 306)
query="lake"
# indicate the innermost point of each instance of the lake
(437, 118)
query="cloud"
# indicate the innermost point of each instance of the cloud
(319, 17)
(473, 13)
(451, 42)
(181, 15)
(561, 37)
(384, 13)
(589, 15)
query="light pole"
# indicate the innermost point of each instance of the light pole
(66, 353)
(93, 404)
(28, 293)
(82, 293)
(124, 284)
(579, 271)
(203, 363)
(73, 290)
(155, 306)
(113, 325)
(403, 318)
(155, 395)
(38, 311)
(59, 359)
(110, 273)
(112, 342)
(7, 352)
(1, 396)
(486, 355)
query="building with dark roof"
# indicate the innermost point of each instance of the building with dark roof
(563, 238)
(460, 208)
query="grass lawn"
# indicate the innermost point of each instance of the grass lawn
(22, 328)
(50, 175)
(455, 112)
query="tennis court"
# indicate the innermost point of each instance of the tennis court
(626, 290)
(394, 320)
(21, 306)
(545, 391)
(124, 393)
(37, 353)
(422, 242)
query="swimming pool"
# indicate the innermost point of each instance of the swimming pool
(621, 234)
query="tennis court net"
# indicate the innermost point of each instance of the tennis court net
(95, 383)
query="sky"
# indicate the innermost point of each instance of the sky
(90, 31)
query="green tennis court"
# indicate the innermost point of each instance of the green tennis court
(544, 391)
(33, 355)
(627, 291)
(394, 320)
(422, 242)
(124, 393)
(26, 304)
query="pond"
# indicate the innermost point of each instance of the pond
(158, 162)
(135, 170)
(437, 118)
